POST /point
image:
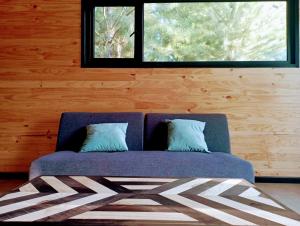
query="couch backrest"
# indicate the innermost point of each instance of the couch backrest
(72, 129)
(216, 130)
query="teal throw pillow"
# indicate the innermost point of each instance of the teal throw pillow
(186, 135)
(105, 137)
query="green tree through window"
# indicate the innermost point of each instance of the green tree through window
(226, 31)
(114, 32)
(190, 33)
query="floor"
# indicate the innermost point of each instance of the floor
(287, 194)
(9, 184)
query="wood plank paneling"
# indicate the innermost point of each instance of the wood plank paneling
(40, 77)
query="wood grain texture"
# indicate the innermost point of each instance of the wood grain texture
(40, 77)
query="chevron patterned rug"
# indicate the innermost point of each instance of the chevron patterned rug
(91, 200)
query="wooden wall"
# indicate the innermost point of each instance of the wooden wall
(40, 77)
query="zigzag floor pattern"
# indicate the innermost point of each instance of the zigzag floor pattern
(91, 200)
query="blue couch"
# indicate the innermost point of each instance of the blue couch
(147, 140)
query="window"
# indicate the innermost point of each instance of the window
(114, 32)
(215, 31)
(190, 33)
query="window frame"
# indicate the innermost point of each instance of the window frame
(87, 39)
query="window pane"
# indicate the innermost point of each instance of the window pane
(215, 31)
(114, 32)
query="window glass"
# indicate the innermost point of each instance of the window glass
(215, 31)
(114, 32)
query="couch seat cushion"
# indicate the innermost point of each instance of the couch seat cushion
(143, 163)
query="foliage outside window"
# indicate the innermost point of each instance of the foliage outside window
(114, 32)
(190, 34)
(217, 31)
